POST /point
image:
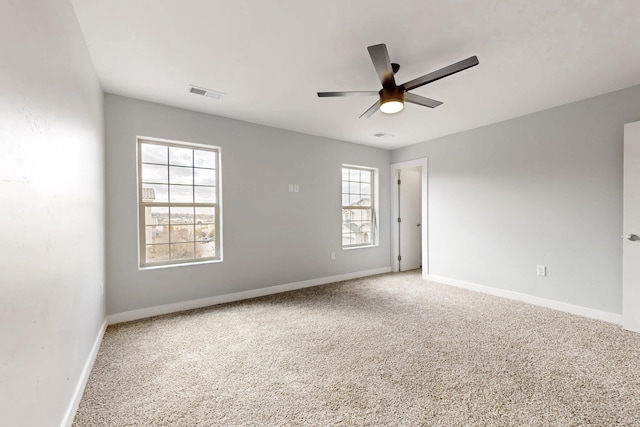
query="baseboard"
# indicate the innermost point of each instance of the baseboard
(143, 313)
(542, 302)
(84, 377)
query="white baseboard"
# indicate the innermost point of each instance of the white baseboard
(84, 377)
(143, 313)
(542, 302)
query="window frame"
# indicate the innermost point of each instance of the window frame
(374, 207)
(143, 264)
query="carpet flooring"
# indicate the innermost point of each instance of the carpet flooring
(387, 350)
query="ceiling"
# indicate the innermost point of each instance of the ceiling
(270, 57)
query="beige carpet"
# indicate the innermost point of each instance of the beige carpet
(389, 350)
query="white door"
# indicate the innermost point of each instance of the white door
(410, 213)
(631, 229)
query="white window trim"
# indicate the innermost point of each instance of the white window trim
(140, 206)
(374, 207)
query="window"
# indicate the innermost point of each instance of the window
(179, 202)
(359, 222)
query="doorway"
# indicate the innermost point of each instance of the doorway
(409, 216)
(409, 222)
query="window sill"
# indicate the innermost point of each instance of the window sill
(350, 248)
(178, 264)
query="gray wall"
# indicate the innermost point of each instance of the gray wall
(271, 237)
(52, 215)
(542, 189)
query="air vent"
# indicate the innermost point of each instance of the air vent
(205, 92)
(197, 91)
(382, 135)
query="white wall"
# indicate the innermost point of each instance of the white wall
(542, 189)
(52, 210)
(271, 237)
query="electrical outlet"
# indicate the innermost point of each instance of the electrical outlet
(542, 270)
(290, 188)
(296, 188)
(333, 255)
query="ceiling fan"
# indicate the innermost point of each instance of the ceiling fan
(393, 96)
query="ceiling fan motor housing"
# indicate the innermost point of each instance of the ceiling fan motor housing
(391, 99)
(395, 93)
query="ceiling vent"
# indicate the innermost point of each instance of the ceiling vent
(206, 92)
(382, 135)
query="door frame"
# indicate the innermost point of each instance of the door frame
(630, 285)
(395, 167)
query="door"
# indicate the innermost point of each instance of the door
(410, 213)
(631, 229)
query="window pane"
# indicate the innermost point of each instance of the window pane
(356, 233)
(345, 186)
(154, 153)
(180, 156)
(365, 201)
(354, 174)
(155, 193)
(205, 232)
(354, 187)
(180, 175)
(205, 249)
(354, 200)
(180, 215)
(205, 194)
(182, 251)
(181, 233)
(365, 189)
(205, 215)
(181, 194)
(157, 253)
(204, 176)
(156, 215)
(365, 176)
(345, 200)
(345, 174)
(204, 159)
(154, 173)
(157, 234)
(350, 227)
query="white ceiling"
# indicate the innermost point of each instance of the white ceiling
(270, 57)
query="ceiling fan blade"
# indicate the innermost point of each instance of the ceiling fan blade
(371, 110)
(348, 93)
(380, 58)
(421, 100)
(441, 73)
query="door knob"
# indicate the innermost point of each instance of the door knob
(631, 237)
(419, 225)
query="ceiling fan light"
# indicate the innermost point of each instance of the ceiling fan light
(391, 106)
